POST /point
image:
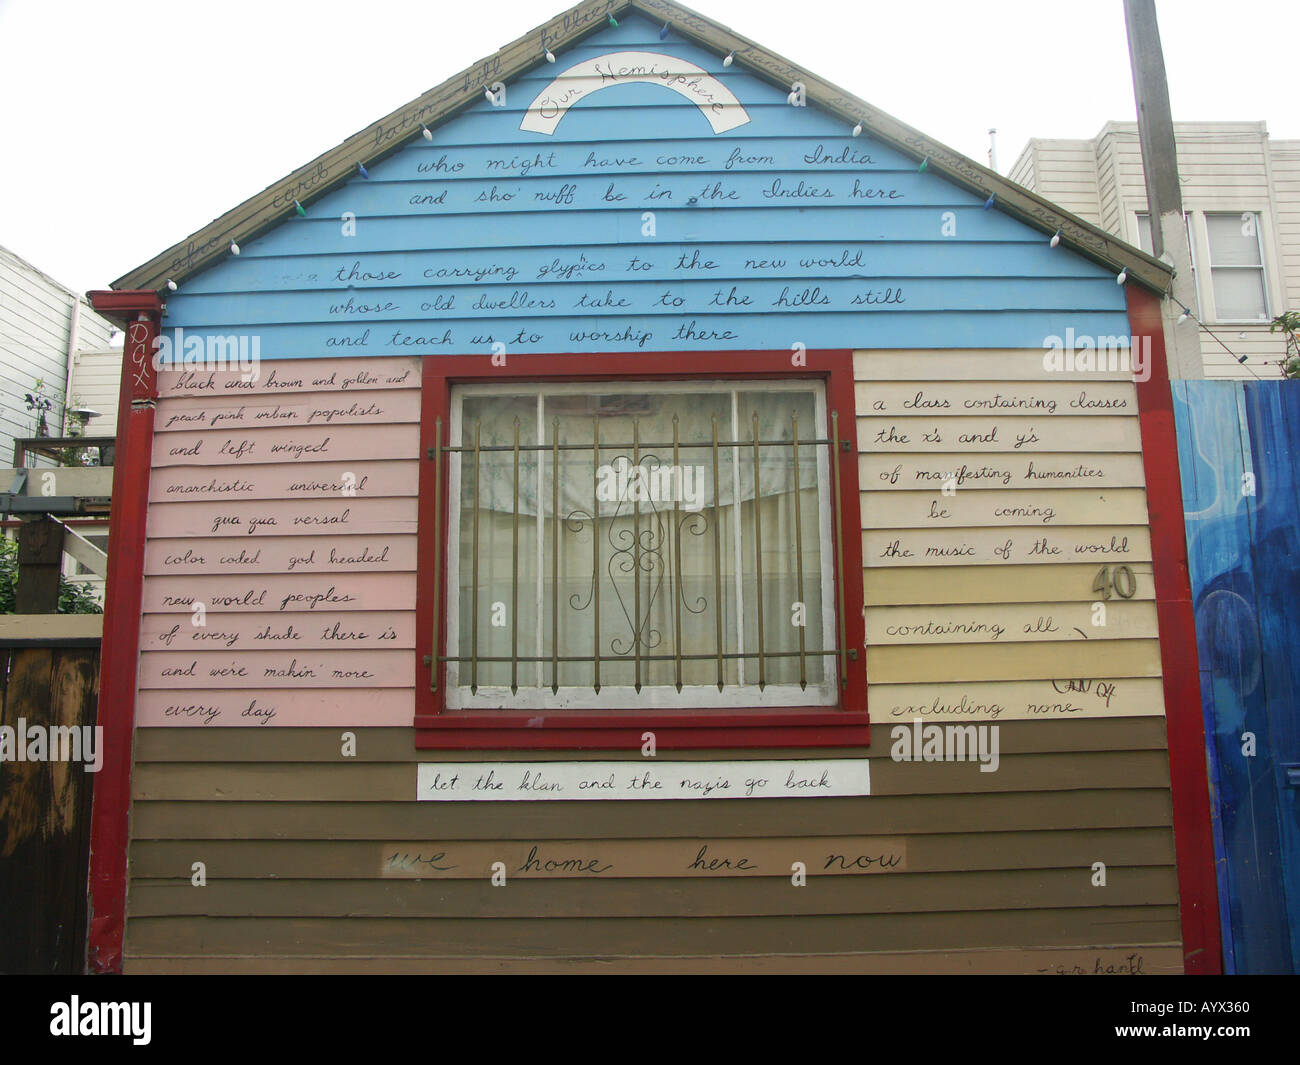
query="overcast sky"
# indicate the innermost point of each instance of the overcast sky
(128, 124)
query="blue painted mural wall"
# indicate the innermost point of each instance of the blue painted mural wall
(784, 229)
(1239, 454)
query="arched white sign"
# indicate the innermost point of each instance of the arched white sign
(715, 101)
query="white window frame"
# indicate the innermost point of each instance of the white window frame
(1188, 224)
(1262, 267)
(745, 693)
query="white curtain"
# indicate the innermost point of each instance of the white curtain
(655, 568)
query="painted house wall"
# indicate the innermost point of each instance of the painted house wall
(248, 515)
(1284, 166)
(766, 196)
(988, 871)
(1224, 167)
(96, 381)
(35, 320)
(1068, 168)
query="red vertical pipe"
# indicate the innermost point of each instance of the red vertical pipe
(434, 404)
(1189, 777)
(141, 313)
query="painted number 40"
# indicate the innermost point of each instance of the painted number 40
(1118, 579)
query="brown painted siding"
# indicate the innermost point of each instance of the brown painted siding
(290, 833)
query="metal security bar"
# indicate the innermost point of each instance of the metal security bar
(640, 654)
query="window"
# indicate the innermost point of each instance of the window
(1237, 267)
(1144, 232)
(626, 552)
(1145, 243)
(658, 577)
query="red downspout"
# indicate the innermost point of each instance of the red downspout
(140, 313)
(1189, 776)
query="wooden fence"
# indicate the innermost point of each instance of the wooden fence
(44, 801)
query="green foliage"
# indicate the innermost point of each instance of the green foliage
(1288, 324)
(8, 574)
(74, 597)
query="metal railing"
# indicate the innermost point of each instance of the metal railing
(641, 656)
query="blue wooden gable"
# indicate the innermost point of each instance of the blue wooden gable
(635, 226)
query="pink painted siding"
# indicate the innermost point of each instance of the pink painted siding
(285, 506)
(309, 706)
(240, 448)
(322, 480)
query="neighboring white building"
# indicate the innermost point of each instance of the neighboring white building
(96, 379)
(44, 326)
(1241, 197)
(50, 333)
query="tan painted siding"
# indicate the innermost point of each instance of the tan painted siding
(997, 874)
(1065, 172)
(1108, 188)
(957, 481)
(1023, 171)
(1224, 167)
(1284, 162)
(96, 379)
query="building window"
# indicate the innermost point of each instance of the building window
(1144, 232)
(1145, 243)
(1237, 267)
(606, 550)
(644, 552)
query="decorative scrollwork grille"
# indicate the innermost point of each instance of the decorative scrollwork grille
(635, 569)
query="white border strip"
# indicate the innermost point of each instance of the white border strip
(746, 779)
(716, 102)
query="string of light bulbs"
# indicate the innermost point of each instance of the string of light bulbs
(727, 60)
(1187, 313)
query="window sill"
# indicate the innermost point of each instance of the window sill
(603, 730)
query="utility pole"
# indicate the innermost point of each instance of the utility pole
(1164, 193)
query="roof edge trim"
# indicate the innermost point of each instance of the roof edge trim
(332, 169)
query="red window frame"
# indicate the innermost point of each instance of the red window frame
(438, 727)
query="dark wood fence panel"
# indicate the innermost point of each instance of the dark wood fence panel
(45, 807)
